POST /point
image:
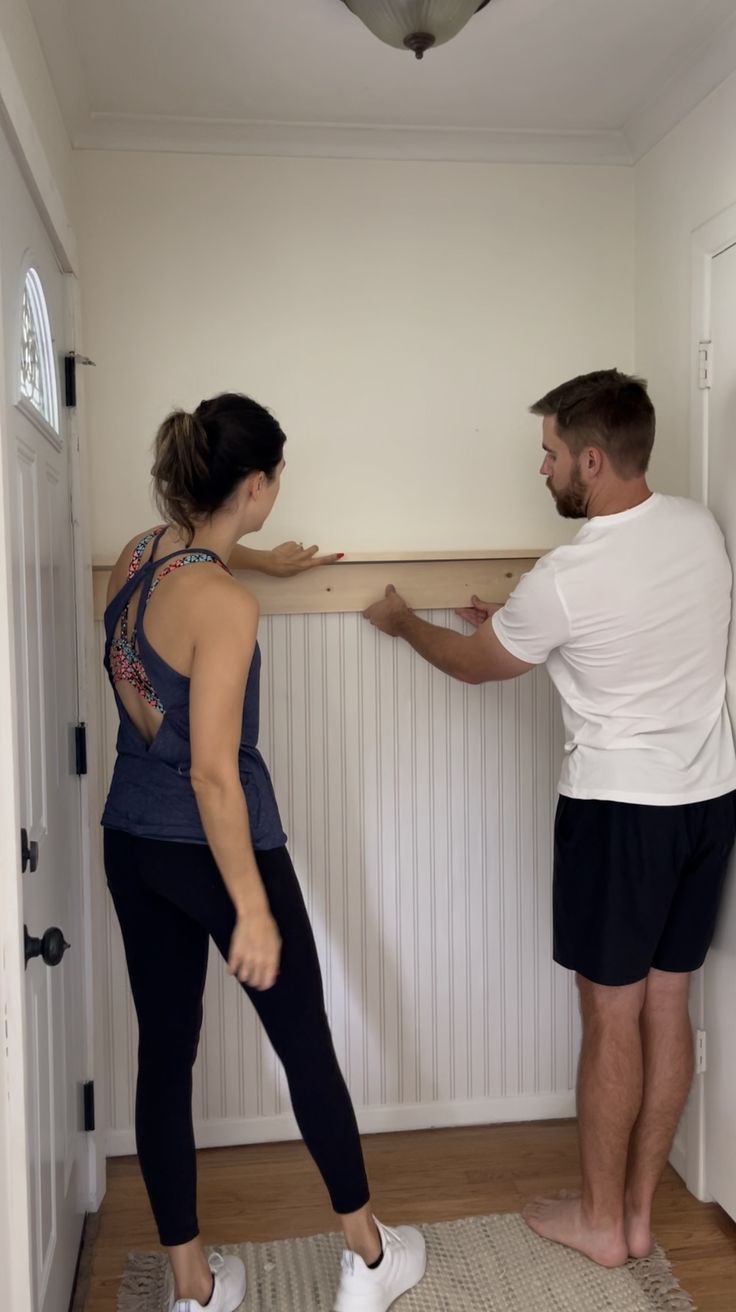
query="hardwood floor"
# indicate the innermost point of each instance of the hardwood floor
(272, 1191)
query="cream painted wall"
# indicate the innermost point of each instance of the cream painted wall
(19, 33)
(680, 184)
(397, 317)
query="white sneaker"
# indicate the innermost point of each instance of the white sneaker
(228, 1291)
(403, 1265)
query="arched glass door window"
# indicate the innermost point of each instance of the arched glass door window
(37, 369)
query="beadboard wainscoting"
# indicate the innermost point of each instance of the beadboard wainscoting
(419, 813)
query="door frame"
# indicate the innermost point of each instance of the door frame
(707, 241)
(16, 121)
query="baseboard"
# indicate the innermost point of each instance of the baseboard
(373, 1120)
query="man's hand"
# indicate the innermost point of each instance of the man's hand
(478, 612)
(472, 657)
(388, 614)
(293, 558)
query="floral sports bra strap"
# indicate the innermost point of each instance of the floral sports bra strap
(189, 558)
(139, 549)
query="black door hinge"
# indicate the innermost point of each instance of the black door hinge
(80, 748)
(88, 1091)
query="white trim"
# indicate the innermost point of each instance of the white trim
(689, 82)
(707, 241)
(374, 1120)
(59, 45)
(691, 1134)
(15, 1230)
(33, 162)
(93, 1171)
(349, 141)
(686, 88)
(15, 1242)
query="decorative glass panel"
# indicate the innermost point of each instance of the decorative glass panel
(37, 372)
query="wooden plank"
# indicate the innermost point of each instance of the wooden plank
(272, 1191)
(351, 585)
(380, 557)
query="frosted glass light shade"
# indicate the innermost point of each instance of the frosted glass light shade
(415, 24)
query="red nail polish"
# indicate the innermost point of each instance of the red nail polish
(340, 555)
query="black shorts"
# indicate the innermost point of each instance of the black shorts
(637, 887)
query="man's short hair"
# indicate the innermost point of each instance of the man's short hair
(608, 410)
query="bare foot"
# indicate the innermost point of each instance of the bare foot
(562, 1221)
(639, 1234)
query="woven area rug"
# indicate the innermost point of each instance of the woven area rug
(483, 1264)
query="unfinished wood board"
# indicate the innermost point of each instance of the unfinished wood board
(353, 585)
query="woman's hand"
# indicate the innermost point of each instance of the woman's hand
(281, 562)
(294, 558)
(255, 949)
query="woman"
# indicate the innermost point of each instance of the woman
(194, 848)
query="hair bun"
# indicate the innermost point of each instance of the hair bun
(200, 458)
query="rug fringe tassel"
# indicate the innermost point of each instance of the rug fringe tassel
(144, 1282)
(654, 1276)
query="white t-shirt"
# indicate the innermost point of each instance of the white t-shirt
(632, 620)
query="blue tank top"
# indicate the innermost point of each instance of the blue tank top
(151, 795)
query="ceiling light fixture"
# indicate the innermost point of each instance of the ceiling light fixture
(415, 24)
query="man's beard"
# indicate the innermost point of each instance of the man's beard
(571, 503)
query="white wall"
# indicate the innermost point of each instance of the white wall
(18, 32)
(680, 184)
(398, 318)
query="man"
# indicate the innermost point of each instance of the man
(632, 621)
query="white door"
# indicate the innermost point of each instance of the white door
(39, 542)
(720, 971)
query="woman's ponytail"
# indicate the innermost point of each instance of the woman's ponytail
(201, 458)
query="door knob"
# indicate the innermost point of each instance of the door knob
(51, 947)
(28, 853)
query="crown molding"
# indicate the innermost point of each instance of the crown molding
(104, 131)
(687, 88)
(34, 163)
(679, 90)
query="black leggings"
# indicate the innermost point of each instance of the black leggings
(170, 898)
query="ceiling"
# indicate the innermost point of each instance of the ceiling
(557, 80)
